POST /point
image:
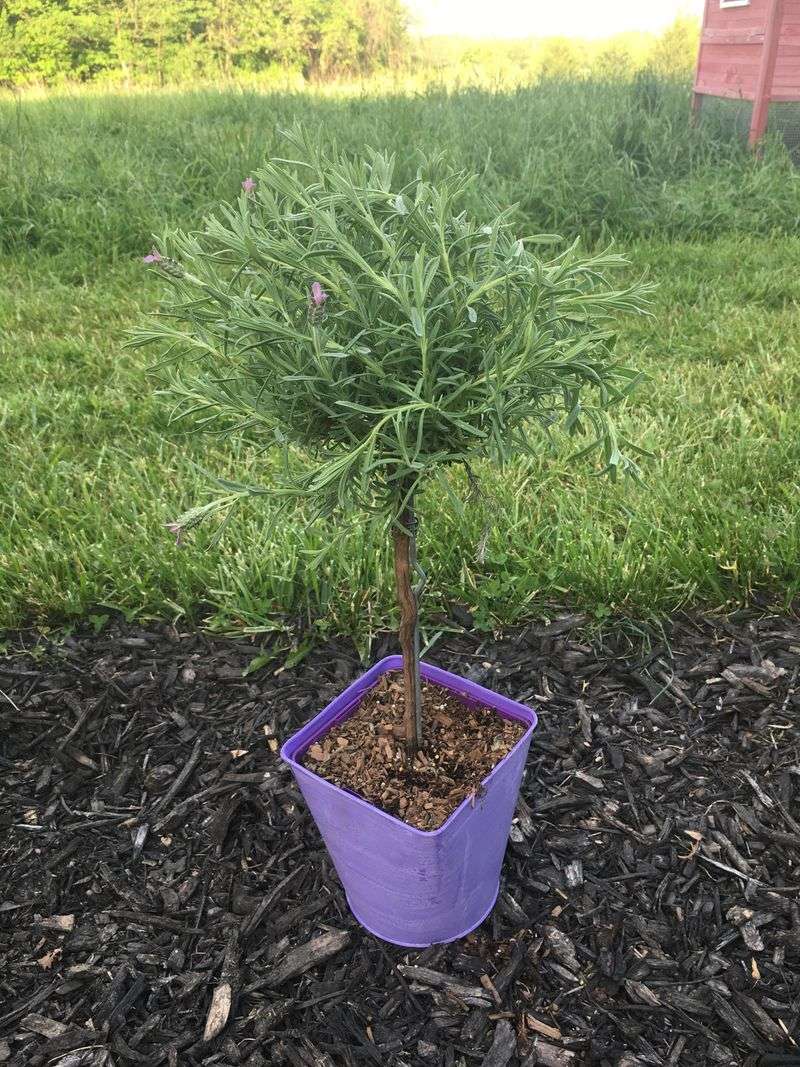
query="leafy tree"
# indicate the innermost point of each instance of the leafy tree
(560, 57)
(331, 37)
(384, 32)
(166, 39)
(613, 61)
(675, 51)
(271, 32)
(151, 35)
(52, 39)
(377, 335)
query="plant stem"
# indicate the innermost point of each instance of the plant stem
(405, 558)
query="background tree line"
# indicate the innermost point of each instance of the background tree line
(520, 62)
(182, 40)
(161, 41)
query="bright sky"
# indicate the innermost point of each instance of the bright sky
(545, 18)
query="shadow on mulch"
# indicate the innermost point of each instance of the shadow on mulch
(165, 898)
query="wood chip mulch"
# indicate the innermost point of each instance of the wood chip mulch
(165, 898)
(462, 743)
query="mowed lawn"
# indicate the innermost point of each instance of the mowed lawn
(91, 470)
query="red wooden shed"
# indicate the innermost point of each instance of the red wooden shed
(750, 50)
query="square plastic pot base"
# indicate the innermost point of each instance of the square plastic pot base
(427, 944)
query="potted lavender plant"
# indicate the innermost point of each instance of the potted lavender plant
(378, 334)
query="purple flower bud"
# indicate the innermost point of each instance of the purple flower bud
(154, 257)
(318, 296)
(248, 185)
(176, 529)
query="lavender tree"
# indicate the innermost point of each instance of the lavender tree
(377, 334)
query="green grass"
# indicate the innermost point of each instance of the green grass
(91, 470)
(87, 178)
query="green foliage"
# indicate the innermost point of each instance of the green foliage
(383, 331)
(145, 42)
(561, 57)
(463, 61)
(178, 40)
(49, 39)
(676, 50)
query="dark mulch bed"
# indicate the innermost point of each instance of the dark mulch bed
(160, 879)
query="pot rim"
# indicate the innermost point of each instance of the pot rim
(303, 738)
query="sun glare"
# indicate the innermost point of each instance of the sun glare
(535, 18)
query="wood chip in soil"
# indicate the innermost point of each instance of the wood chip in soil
(166, 899)
(462, 743)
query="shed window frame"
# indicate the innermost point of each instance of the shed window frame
(734, 3)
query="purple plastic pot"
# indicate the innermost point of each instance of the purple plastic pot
(413, 887)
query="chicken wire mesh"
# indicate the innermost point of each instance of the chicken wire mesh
(784, 119)
(731, 118)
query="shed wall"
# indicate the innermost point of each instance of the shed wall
(730, 48)
(786, 84)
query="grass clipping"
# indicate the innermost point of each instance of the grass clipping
(462, 743)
